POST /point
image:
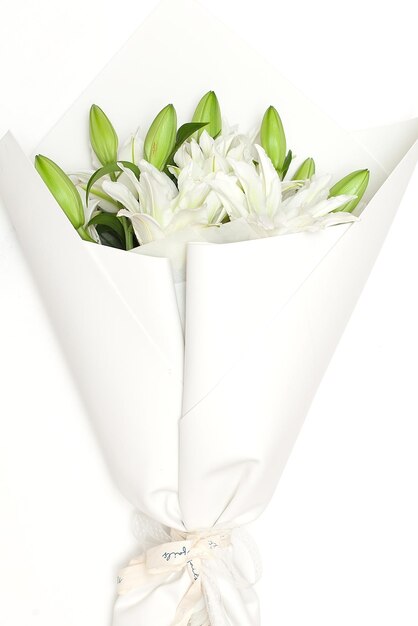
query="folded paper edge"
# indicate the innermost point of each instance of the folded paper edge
(389, 143)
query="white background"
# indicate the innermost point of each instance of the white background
(343, 520)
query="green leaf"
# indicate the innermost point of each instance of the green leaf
(108, 237)
(161, 137)
(286, 164)
(273, 139)
(111, 168)
(111, 221)
(62, 188)
(183, 134)
(99, 193)
(186, 131)
(103, 137)
(354, 184)
(209, 111)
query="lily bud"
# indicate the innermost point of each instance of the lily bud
(62, 188)
(273, 139)
(103, 137)
(305, 171)
(161, 137)
(208, 111)
(354, 184)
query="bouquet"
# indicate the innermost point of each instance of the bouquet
(199, 279)
(204, 181)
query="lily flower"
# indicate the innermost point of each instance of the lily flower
(273, 207)
(98, 197)
(201, 158)
(154, 204)
(211, 155)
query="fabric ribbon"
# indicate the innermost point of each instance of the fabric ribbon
(190, 552)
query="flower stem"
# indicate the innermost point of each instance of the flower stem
(84, 234)
(128, 230)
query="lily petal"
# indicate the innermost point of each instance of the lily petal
(231, 195)
(121, 193)
(146, 227)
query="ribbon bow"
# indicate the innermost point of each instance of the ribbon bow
(183, 551)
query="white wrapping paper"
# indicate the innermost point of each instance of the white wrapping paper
(197, 425)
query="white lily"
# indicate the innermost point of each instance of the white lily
(154, 204)
(98, 197)
(201, 159)
(273, 207)
(210, 155)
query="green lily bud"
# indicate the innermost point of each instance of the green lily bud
(208, 111)
(273, 139)
(161, 137)
(354, 184)
(103, 137)
(305, 171)
(63, 190)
